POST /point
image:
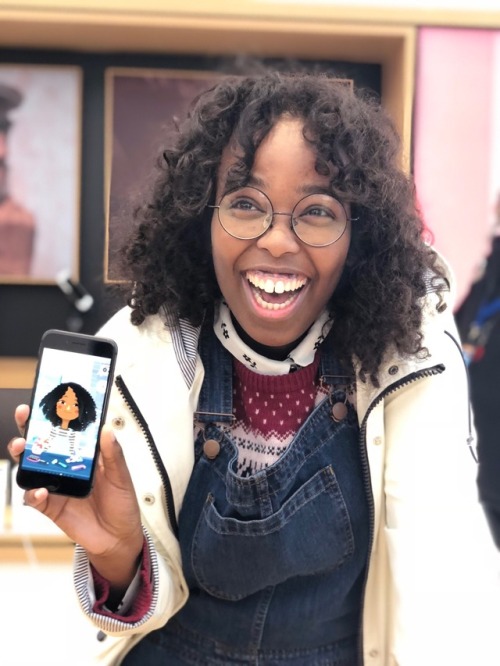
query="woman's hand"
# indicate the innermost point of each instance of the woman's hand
(16, 445)
(107, 523)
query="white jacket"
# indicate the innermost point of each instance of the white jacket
(432, 594)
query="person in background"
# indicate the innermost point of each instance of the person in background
(478, 321)
(286, 477)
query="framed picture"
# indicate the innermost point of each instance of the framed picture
(40, 151)
(140, 105)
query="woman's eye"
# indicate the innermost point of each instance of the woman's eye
(318, 212)
(246, 209)
(244, 204)
(317, 216)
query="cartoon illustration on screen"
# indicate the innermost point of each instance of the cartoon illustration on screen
(70, 409)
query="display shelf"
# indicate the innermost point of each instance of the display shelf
(28, 548)
(17, 371)
(34, 548)
(216, 28)
(22, 546)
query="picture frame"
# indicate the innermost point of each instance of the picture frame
(140, 105)
(40, 172)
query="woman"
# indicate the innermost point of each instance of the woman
(319, 509)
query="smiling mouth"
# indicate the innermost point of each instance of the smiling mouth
(275, 292)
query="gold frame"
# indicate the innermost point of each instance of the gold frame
(112, 74)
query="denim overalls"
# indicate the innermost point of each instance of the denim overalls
(275, 562)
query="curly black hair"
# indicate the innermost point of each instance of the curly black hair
(86, 405)
(376, 302)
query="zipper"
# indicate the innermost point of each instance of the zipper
(141, 421)
(408, 379)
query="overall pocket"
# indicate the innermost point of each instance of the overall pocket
(311, 533)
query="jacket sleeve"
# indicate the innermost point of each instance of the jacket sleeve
(141, 351)
(443, 563)
(162, 583)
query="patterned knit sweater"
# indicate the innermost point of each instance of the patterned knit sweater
(269, 410)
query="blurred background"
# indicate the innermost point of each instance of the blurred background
(81, 117)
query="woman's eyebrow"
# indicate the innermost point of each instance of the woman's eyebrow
(305, 189)
(255, 181)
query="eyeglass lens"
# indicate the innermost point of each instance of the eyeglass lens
(317, 219)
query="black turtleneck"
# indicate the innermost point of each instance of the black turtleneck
(273, 353)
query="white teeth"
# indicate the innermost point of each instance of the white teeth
(272, 306)
(279, 287)
(270, 285)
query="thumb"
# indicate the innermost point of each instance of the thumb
(112, 458)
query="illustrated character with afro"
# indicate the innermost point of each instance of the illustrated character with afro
(70, 409)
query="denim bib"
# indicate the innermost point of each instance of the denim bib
(275, 562)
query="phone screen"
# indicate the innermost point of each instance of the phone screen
(67, 412)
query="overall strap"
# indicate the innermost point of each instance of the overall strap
(333, 373)
(215, 404)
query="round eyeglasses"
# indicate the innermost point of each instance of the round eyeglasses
(317, 219)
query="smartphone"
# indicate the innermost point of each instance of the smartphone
(68, 408)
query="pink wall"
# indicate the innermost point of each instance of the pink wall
(453, 126)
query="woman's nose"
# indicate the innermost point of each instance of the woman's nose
(279, 238)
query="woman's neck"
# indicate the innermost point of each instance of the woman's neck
(273, 353)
